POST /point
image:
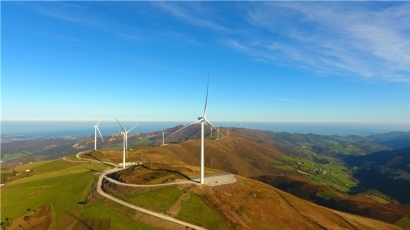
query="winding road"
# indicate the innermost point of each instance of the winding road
(209, 180)
(149, 212)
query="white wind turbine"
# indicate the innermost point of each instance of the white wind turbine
(202, 120)
(163, 139)
(95, 135)
(125, 142)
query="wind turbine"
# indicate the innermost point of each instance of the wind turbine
(125, 142)
(163, 139)
(95, 135)
(202, 120)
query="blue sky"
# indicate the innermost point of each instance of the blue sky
(149, 61)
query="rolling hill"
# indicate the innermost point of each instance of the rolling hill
(253, 159)
(68, 189)
(308, 166)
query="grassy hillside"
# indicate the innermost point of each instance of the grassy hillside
(252, 158)
(67, 188)
(311, 161)
(372, 204)
(248, 204)
(245, 204)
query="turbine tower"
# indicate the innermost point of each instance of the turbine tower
(163, 138)
(202, 120)
(125, 142)
(95, 135)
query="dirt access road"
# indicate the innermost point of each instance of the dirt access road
(210, 180)
(149, 212)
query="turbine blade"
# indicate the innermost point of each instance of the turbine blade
(206, 100)
(183, 128)
(120, 124)
(132, 128)
(97, 123)
(209, 123)
(100, 134)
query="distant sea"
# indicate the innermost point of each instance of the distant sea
(86, 128)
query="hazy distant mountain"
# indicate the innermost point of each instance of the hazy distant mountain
(15, 153)
(394, 140)
(306, 165)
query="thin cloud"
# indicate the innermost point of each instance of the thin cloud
(289, 100)
(358, 40)
(68, 13)
(193, 13)
(333, 38)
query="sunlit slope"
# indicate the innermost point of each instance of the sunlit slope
(245, 204)
(238, 155)
(370, 204)
(249, 204)
(68, 188)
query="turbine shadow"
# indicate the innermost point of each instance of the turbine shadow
(81, 223)
(93, 170)
(168, 170)
(95, 158)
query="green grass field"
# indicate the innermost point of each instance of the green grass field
(10, 156)
(332, 174)
(121, 217)
(5, 170)
(380, 200)
(64, 185)
(159, 199)
(404, 223)
(72, 157)
(194, 210)
(59, 183)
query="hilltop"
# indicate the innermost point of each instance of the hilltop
(245, 204)
(250, 159)
(248, 204)
(312, 167)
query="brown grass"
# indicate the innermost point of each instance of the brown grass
(249, 204)
(246, 204)
(42, 219)
(357, 204)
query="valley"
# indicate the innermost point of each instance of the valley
(287, 165)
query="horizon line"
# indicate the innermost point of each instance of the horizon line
(225, 121)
